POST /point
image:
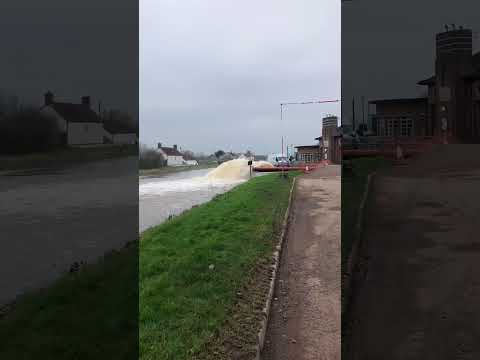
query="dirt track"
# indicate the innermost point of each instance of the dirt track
(417, 295)
(305, 315)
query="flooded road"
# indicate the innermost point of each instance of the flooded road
(172, 194)
(52, 218)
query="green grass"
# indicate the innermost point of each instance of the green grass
(352, 191)
(66, 156)
(182, 302)
(90, 314)
(353, 187)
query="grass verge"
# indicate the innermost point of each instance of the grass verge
(353, 187)
(195, 271)
(89, 314)
(66, 156)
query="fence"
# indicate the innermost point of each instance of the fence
(386, 146)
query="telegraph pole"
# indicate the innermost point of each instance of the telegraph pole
(353, 113)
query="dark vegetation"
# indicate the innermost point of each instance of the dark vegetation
(26, 131)
(119, 122)
(150, 158)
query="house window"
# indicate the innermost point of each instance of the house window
(381, 127)
(406, 127)
(307, 157)
(390, 125)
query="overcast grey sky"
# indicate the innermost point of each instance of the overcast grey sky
(388, 46)
(213, 73)
(72, 49)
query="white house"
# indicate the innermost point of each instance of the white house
(78, 123)
(172, 155)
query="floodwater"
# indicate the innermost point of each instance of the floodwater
(174, 193)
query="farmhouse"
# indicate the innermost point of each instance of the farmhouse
(78, 123)
(171, 155)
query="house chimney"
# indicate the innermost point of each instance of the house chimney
(86, 101)
(159, 145)
(49, 98)
(175, 147)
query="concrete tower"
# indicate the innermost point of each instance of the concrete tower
(453, 61)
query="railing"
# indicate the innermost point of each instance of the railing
(386, 146)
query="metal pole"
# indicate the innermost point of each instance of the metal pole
(363, 109)
(353, 114)
(281, 123)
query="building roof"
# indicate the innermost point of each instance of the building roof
(306, 146)
(170, 151)
(429, 81)
(75, 112)
(399, 101)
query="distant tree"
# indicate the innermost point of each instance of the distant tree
(226, 157)
(201, 156)
(117, 121)
(248, 154)
(26, 131)
(150, 158)
(189, 155)
(219, 153)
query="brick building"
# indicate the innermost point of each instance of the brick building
(400, 117)
(308, 153)
(452, 107)
(329, 143)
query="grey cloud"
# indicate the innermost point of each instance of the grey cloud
(212, 74)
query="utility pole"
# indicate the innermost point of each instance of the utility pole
(363, 109)
(281, 127)
(353, 113)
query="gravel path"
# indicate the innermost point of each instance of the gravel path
(305, 314)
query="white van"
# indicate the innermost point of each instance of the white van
(278, 159)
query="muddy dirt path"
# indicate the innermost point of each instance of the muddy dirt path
(418, 294)
(305, 315)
